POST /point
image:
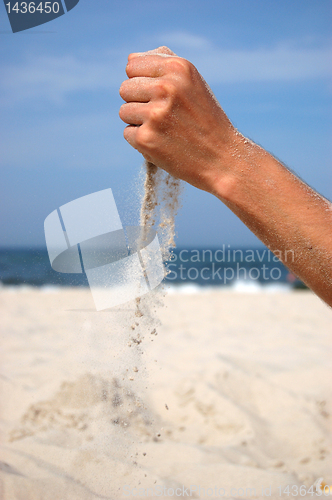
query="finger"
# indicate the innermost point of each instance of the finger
(152, 66)
(147, 65)
(134, 113)
(138, 89)
(129, 134)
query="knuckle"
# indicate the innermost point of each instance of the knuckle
(165, 89)
(144, 138)
(157, 114)
(179, 66)
(161, 117)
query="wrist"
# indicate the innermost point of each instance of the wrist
(239, 166)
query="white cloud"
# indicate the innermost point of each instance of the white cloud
(283, 63)
(55, 78)
(280, 64)
(184, 40)
(86, 141)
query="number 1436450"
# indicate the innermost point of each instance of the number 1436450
(32, 7)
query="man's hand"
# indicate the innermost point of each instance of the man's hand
(177, 124)
(173, 118)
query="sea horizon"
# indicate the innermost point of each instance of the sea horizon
(201, 267)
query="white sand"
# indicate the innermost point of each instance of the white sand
(246, 379)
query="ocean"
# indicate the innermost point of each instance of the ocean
(190, 268)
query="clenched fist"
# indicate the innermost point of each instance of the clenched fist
(174, 120)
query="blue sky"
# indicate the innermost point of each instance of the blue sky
(268, 62)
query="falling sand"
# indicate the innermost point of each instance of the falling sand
(161, 202)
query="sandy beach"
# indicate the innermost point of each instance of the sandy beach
(215, 394)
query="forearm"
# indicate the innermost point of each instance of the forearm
(287, 215)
